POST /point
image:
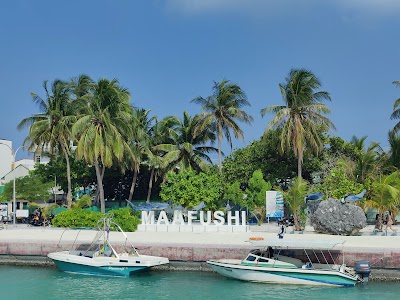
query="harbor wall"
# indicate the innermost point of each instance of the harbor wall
(385, 263)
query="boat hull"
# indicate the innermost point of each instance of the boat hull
(104, 266)
(283, 276)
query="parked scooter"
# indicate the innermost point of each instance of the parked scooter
(37, 219)
(287, 221)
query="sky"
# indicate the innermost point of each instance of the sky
(168, 52)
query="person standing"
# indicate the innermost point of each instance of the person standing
(389, 222)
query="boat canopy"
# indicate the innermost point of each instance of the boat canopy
(297, 244)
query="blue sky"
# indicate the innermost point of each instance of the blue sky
(169, 52)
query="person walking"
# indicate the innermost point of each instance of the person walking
(389, 222)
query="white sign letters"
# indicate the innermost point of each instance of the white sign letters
(235, 218)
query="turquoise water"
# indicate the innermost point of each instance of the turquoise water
(50, 283)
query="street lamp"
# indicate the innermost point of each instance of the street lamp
(14, 202)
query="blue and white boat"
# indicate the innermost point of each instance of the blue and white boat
(102, 258)
(267, 264)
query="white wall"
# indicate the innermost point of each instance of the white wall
(27, 162)
(6, 157)
(19, 171)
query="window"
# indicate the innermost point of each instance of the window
(37, 159)
(251, 258)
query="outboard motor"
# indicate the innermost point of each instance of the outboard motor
(363, 269)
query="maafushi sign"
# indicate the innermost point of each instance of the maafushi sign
(236, 218)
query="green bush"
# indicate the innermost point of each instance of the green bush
(76, 218)
(125, 219)
(82, 218)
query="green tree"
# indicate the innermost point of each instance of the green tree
(394, 153)
(396, 110)
(234, 193)
(369, 160)
(302, 116)
(221, 111)
(340, 182)
(30, 188)
(160, 133)
(385, 194)
(256, 191)
(102, 128)
(294, 199)
(187, 188)
(51, 128)
(187, 150)
(81, 174)
(277, 168)
(139, 142)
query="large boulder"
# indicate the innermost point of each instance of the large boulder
(334, 217)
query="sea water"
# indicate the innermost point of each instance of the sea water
(50, 283)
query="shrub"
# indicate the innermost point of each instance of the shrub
(82, 218)
(125, 219)
(76, 218)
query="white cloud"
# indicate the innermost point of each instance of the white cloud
(356, 8)
(372, 7)
(253, 7)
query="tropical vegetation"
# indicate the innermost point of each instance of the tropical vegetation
(98, 141)
(301, 116)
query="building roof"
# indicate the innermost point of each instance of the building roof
(17, 167)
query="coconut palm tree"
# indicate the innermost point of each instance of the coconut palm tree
(369, 160)
(385, 195)
(396, 110)
(160, 133)
(221, 111)
(102, 128)
(139, 142)
(187, 150)
(302, 117)
(394, 153)
(51, 128)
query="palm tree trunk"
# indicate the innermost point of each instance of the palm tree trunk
(300, 153)
(150, 185)
(219, 153)
(296, 218)
(299, 167)
(132, 190)
(69, 191)
(100, 186)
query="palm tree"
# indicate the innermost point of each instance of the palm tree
(221, 112)
(101, 128)
(294, 199)
(396, 110)
(385, 195)
(139, 142)
(369, 160)
(302, 117)
(187, 150)
(394, 154)
(160, 133)
(52, 127)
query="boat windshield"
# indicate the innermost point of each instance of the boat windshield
(251, 257)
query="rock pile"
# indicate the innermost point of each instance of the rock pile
(334, 217)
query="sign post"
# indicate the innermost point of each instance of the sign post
(274, 205)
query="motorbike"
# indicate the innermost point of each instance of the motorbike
(286, 221)
(38, 220)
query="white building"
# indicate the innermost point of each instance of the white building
(19, 171)
(6, 157)
(10, 170)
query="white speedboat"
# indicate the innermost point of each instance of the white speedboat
(267, 264)
(101, 258)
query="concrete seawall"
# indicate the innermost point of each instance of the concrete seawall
(190, 251)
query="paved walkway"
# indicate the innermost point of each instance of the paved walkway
(367, 241)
